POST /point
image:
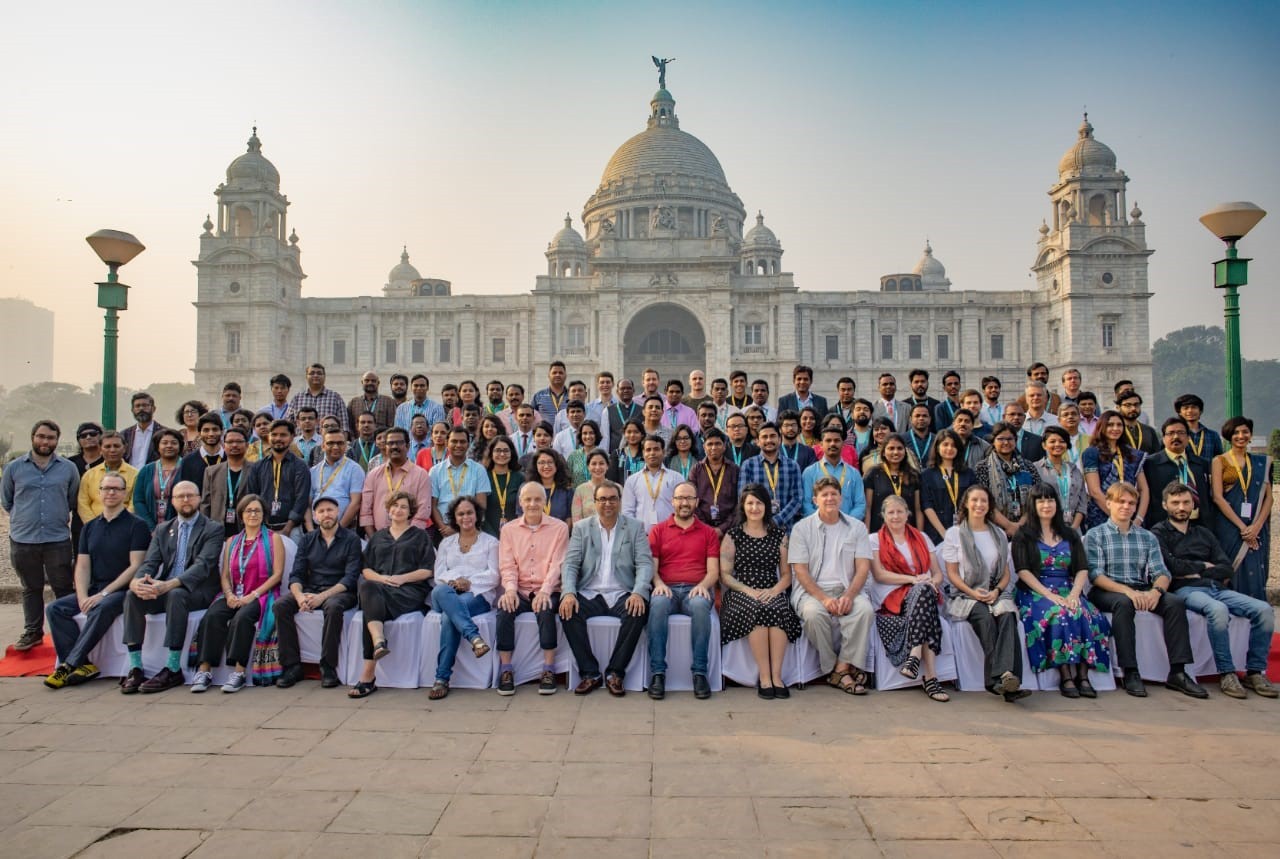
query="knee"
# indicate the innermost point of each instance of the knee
(699, 607)
(365, 589)
(175, 598)
(1265, 617)
(332, 608)
(1123, 609)
(1217, 616)
(286, 606)
(660, 606)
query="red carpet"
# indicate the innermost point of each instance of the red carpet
(1273, 661)
(36, 662)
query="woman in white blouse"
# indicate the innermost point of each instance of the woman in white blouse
(466, 584)
(979, 572)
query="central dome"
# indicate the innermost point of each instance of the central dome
(663, 149)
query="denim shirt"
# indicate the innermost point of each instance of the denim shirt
(39, 501)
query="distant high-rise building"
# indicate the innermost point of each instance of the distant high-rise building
(26, 343)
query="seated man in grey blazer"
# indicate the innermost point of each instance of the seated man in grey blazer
(178, 576)
(607, 572)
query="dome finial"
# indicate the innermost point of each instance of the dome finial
(928, 248)
(759, 218)
(255, 145)
(568, 220)
(404, 253)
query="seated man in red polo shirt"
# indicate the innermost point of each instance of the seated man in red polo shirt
(686, 565)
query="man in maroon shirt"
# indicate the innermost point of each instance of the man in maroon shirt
(686, 565)
(716, 482)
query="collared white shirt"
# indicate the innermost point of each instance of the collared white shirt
(565, 441)
(141, 445)
(605, 583)
(1037, 425)
(647, 495)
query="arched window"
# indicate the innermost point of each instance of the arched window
(891, 285)
(243, 223)
(1097, 210)
(664, 341)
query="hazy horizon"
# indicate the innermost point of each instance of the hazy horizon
(466, 131)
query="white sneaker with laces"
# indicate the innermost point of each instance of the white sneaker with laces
(235, 682)
(202, 682)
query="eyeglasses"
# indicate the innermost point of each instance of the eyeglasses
(89, 434)
(1175, 432)
(1004, 439)
(608, 499)
(252, 511)
(111, 489)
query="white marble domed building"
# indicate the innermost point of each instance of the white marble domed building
(666, 272)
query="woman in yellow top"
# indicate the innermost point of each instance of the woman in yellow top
(1242, 490)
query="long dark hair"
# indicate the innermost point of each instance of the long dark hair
(962, 506)
(910, 476)
(622, 434)
(761, 494)
(1103, 444)
(935, 459)
(672, 450)
(1030, 529)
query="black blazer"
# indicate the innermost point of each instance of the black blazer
(791, 401)
(1160, 471)
(204, 550)
(1031, 446)
(153, 450)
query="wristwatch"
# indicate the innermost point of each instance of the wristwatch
(1160, 589)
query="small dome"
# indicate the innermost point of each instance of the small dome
(1088, 155)
(567, 239)
(251, 170)
(403, 274)
(760, 235)
(929, 266)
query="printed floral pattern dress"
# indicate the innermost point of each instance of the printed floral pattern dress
(1056, 636)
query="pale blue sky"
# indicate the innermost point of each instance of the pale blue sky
(467, 130)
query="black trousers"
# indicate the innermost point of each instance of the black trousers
(36, 563)
(383, 602)
(220, 621)
(575, 631)
(1171, 609)
(548, 635)
(286, 611)
(1001, 649)
(177, 606)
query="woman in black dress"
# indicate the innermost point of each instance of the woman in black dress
(894, 475)
(757, 578)
(942, 484)
(504, 482)
(398, 563)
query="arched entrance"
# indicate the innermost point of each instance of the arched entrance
(666, 337)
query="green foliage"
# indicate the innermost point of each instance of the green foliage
(1273, 446)
(1193, 360)
(69, 405)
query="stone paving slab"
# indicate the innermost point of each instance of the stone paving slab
(87, 772)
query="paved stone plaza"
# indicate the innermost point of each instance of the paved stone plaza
(307, 772)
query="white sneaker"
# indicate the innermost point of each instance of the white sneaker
(204, 679)
(234, 683)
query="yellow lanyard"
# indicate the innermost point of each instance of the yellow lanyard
(1118, 464)
(556, 401)
(654, 491)
(844, 474)
(952, 482)
(275, 474)
(1245, 474)
(715, 482)
(500, 490)
(772, 478)
(337, 469)
(462, 479)
(546, 508)
(1135, 444)
(895, 484)
(391, 490)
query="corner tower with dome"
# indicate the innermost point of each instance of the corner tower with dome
(665, 269)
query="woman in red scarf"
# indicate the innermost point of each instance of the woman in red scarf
(909, 577)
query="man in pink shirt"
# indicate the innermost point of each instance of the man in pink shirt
(531, 552)
(686, 565)
(675, 412)
(396, 474)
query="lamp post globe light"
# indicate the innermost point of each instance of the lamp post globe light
(1232, 222)
(115, 248)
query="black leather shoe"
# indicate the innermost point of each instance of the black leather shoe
(658, 687)
(1133, 684)
(701, 688)
(1182, 682)
(766, 692)
(163, 679)
(290, 676)
(781, 691)
(329, 678)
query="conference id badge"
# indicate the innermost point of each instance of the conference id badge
(275, 507)
(775, 505)
(161, 509)
(715, 511)
(1246, 509)
(230, 516)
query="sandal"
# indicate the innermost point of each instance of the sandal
(439, 689)
(857, 684)
(479, 647)
(910, 668)
(933, 689)
(363, 689)
(380, 650)
(836, 678)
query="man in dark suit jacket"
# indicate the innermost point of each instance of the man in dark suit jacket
(1030, 445)
(622, 593)
(143, 408)
(1164, 468)
(173, 584)
(208, 453)
(802, 380)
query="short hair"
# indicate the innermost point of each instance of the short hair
(737, 374)
(229, 430)
(453, 508)
(232, 386)
(398, 376)
(308, 410)
(846, 380)
(971, 392)
(1229, 428)
(719, 380)
(1176, 488)
(604, 374)
(755, 382)
(924, 406)
(280, 379)
(608, 484)
(654, 398)
(171, 433)
(1168, 422)
(1067, 405)
(716, 434)
(523, 407)
(679, 384)
(986, 380)
(1072, 370)
(1119, 488)
(572, 382)
(1115, 389)
(918, 371)
(826, 483)
(1036, 384)
(575, 404)
(247, 413)
(244, 502)
(1058, 432)
(1037, 365)
(788, 415)
(398, 430)
(557, 363)
(210, 419)
(316, 366)
(468, 408)
(707, 405)
(886, 375)
(1128, 394)
(52, 425)
(832, 428)
(124, 484)
(407, 496)
(1087, 395)
(282, 423)
(519, 387)
(963, 413)
(423, 377)
(768, 425)
(448, 386)
(1188, 400)
(457, 431)
(950, 374)
(802, 368)
(141, 395)
(653, 438)
(647, 371)
(865, 402)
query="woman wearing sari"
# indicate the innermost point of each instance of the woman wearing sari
(1109, 459)
(1242, 491)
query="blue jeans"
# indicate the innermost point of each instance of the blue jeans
(458, 609)
(1218, 604)
(72, 643)
(698, 609)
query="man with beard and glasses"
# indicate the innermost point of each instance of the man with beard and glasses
(282, 481)
(140, 439)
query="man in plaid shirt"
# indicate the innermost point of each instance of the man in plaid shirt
(323, 400)
(1129, 576)
(778, 474)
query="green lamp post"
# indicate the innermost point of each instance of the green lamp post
(1231, 222)
(115, 249)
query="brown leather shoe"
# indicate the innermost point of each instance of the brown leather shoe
(588, 685)
(613, 683)
(1259, 684)
(164, 679)
(132, 681)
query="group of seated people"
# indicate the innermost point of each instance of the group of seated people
(1023, 518)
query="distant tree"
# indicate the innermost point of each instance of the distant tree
(66, 404)
(1193, 360)
(169, 396)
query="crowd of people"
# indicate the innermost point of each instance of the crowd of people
(857, 522)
